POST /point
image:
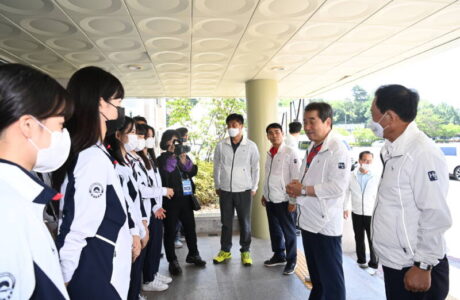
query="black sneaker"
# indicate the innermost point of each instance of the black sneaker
(289, 268)
(196, 260)
(275, 261)
(174, 268)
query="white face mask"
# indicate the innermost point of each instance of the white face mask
(132, 143)
(140, 145)
(150, 143)
(232, 132)
(366, 167)
(54, 156)
(376, 127)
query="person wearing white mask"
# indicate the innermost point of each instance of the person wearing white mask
(361, 197)
(117, 144)
(33, 108)
(94, 238)
(152, 279)
(236, 177)
(411, 213)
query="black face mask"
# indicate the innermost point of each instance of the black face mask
(114, 125)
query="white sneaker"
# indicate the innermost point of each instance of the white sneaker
(155, 286)
(363, 266)
(163, 278)
(371, 271)
(142, 297)
(178, 244)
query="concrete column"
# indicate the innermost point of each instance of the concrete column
(262, 107)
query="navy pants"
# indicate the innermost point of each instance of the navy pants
(136, 274)
(324, 261)
(153, 253)
(394, 283)
(282, 231)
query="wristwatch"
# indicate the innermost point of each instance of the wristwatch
(423, 266)
(303, 191)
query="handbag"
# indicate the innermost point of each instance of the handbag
(195, 203)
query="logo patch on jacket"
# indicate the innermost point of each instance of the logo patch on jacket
(7, 284)
(341, 165)
(432, 176)
(96, 190)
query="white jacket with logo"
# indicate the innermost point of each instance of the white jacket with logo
(329, 173)
(362, 202)
(411, 213)
(29, 261)
(236, 171)
(280, 170)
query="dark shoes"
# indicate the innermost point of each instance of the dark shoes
(174, 268)
(289, 268)
(196, 260)
(275, 261)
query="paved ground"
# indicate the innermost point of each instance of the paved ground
(234, 281)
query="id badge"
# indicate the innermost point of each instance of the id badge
(187, 187)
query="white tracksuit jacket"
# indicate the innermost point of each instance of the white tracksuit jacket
(329, 173)
(411, 213)
(280, 170)
(236, 171)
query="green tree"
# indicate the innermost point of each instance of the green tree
(359, 94)
(212, 128)
(448, 131)
(179, 111)
(364, 136)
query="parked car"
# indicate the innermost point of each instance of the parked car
(452, 151)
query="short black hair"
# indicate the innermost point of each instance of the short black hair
(27, 91)
(182, 131)
(274, 125)
(167, 135)
(364, 153)
(140, 119)
(401, 100)
(235, 117)
(324, 110)
(295, 127)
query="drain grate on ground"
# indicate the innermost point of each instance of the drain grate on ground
(301, 270)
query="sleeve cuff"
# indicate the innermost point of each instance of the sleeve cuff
(429, 260)
(155, 208)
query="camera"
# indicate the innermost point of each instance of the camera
(180, 148)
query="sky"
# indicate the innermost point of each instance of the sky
(435, 75)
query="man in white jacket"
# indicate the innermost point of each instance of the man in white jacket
(411, 214)
(325, 175)
(281, 167)
(362, 193)
(236, 177)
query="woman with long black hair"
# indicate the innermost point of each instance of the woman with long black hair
(152, 278)
(94, 239)
(119, 145)
(33, 108)
(176, 172)
(148, 191)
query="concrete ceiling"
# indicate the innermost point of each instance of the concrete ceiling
(211, 47)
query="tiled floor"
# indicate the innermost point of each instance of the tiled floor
(234, 281)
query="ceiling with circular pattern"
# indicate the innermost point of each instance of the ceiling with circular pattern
(168, 48)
